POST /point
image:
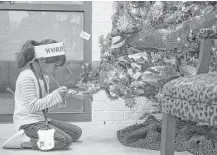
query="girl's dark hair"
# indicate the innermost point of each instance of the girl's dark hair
(27, 53)
(60, 58)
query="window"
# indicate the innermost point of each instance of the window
(40, 20)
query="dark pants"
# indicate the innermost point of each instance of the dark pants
(65, 133)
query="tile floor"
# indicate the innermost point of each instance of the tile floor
(96, 140)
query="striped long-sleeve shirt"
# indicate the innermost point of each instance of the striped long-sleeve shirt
(28, 104)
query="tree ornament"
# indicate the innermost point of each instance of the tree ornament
(138, 84)
(196, 11)
(184, 16)
(139, 91)
(115, 31)
(145, 9)
(113, 73)
(138, 9)
(106, 56)
(106, 42)
(159, 5)
(169, 71)
(170, 19)
(147, 29)
(123, 21)
(117, 42)
(135, 12)
(191, 37)
(127, 25)
(187, 70)
(157, 9)
(207, 10)
(134, 4)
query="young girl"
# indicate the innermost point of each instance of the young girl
(28, 115)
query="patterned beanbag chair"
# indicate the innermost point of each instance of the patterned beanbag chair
(189, 136)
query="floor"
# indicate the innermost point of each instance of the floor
(96, 140)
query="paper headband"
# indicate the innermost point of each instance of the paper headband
(49, 50)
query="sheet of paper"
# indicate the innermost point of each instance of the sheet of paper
(85, 35)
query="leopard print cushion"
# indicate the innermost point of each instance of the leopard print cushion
(200, 88)
(206, 114)
(193, 98)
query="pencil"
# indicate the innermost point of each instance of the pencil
(69, 69)
(55, 81)
(10, 90)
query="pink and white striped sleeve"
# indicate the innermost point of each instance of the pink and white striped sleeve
(57, 106)
(26, 85)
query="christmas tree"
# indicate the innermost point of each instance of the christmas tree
(150, 44)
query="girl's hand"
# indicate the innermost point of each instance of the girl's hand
(70, 93)
(62, 91)
(76, 94)
(80, 95)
